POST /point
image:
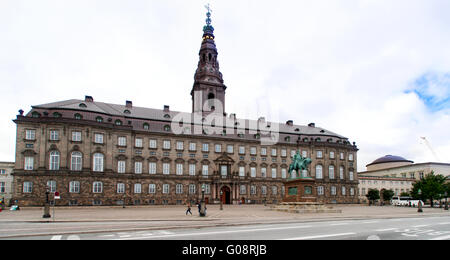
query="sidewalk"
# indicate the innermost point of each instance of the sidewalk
(230, 214)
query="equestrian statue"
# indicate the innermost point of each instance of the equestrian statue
(298, 164)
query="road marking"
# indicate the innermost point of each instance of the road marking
(214, 232)
(339, 224)
(373, 237)
(444, 223)
(56, 237)
(386, 229)
(73, 237)
(420, 226)
(319, 236)
(370, 222)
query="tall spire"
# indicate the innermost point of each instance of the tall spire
(208, 81)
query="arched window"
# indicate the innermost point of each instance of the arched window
(319, 171)
(118, 122)
(167, 128)
(78, 116)
(99, 119)
(54, 160)
(98, 162)
(76, 161)
(146, 126)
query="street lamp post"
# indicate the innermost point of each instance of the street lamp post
(420, 201)
(446, 203)
(47, 204)
(202, 203)
(221, 198)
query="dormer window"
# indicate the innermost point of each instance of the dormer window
(82, 105)
(99, 119)
(126, 111)
(78, 116)
(166, 116)
(146, 126)
(167, 128)
(57, 115)
(118, 122)
(35, 114)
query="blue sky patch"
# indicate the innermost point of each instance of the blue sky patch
(433, 89)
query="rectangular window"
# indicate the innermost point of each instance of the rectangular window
(191, 188)
(122, 141)
(341, 156)
(274, 173)
(27, 187)
(207, 189)
(2, 187)
(121, 166)
(241, 149)
(98, 138)
(263, 151)
(192, 147)
(253, 172)
(205, 147)
(243, 190)
(180, 146)
(283, 173)
(351, 177)
(333, 190)
(97, 187)
(331, 155)
(76, 136)
(54, 135)
(241, 171)
(74, 187)
(152, 188)
(166, 168)
(274, 152)
(179, 169)
(120, 188)
(138, 167)
(253, 150)
(305, 154)
(51, 185)
(152, 144)
(263, 190)
(230, 149)
(30, 134)
(29, 162)
(319, 154)
(283, 152)
(166, 144)
(2, 171)
(350, 157)
(218, 148)
(152, 168)
(166, 188)
(253, 190)
(137, 188)
(179, 189)
(205, 170)
(138, 143)
(341, 172)
(264, 172)
(320, 190)
(192, 169)
(274, 190)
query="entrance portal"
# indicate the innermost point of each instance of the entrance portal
(226, 195)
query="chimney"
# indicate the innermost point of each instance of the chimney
(262, 119)
(290, 122)
(88, 99)
(129, 104)
(312, 125)
(166, 108)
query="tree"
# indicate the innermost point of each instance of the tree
(372, 195)
(432, 187)
(387, 195)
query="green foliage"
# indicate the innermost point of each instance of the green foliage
(373, 194)
(431, 187)
(388, 194)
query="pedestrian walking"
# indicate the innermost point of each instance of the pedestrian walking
(188, 209)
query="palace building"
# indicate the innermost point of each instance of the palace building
(96, 153)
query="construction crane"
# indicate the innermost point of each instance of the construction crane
(431, 148)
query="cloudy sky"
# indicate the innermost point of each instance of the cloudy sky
(375, 71)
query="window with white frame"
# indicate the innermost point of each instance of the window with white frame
(320, 190)
(152, 144)
(331, 172)
(28, 163)
(319, 154)
(274, 152)
(207, 189)
(120, 188)
(263, 190)
(179, 189)
(179, 170)
(97, 187)
(331, 155)
(274, 190)
(74, 187)
(192, 169)
(121, 166)
(205, 170)
(253, 150)
(352, 191)
(166, 188)
(30, 134)
(138, 142)
(137, 188)
(137, 167)
(241, 171)
(152, 168)
(304, 153)
(350, 157)
(253, 190)
(333, 190)
(2, 187)
(152, 188)
(54, 135)
(166, 144)
(76, 161)
(98, 162)
(243, 190)
(51, 185)
(98, 138)
(319, 171)
(274, 173)
(27, 187)
(205, 147)
(341, 155)
(192, 147)
(253, 172)
(218, 148)
(283, 152)
(230, 148)
(283, 173)
(54, 161)
(76, 136)
(343, 191)
(351, 175)
(264, 172)
(263, 151)
(341, 172)
(180, 145)
(166, 168)
(191, 188)
(241, 149)
(122, 141)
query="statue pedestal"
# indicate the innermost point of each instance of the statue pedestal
(300, 190)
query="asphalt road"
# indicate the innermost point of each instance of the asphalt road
(420, 228)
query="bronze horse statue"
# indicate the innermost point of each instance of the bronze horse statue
(298, 164)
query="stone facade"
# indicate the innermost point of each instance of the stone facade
(6, 180)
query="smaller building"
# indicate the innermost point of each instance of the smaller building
(397, 173)
(6, 180)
